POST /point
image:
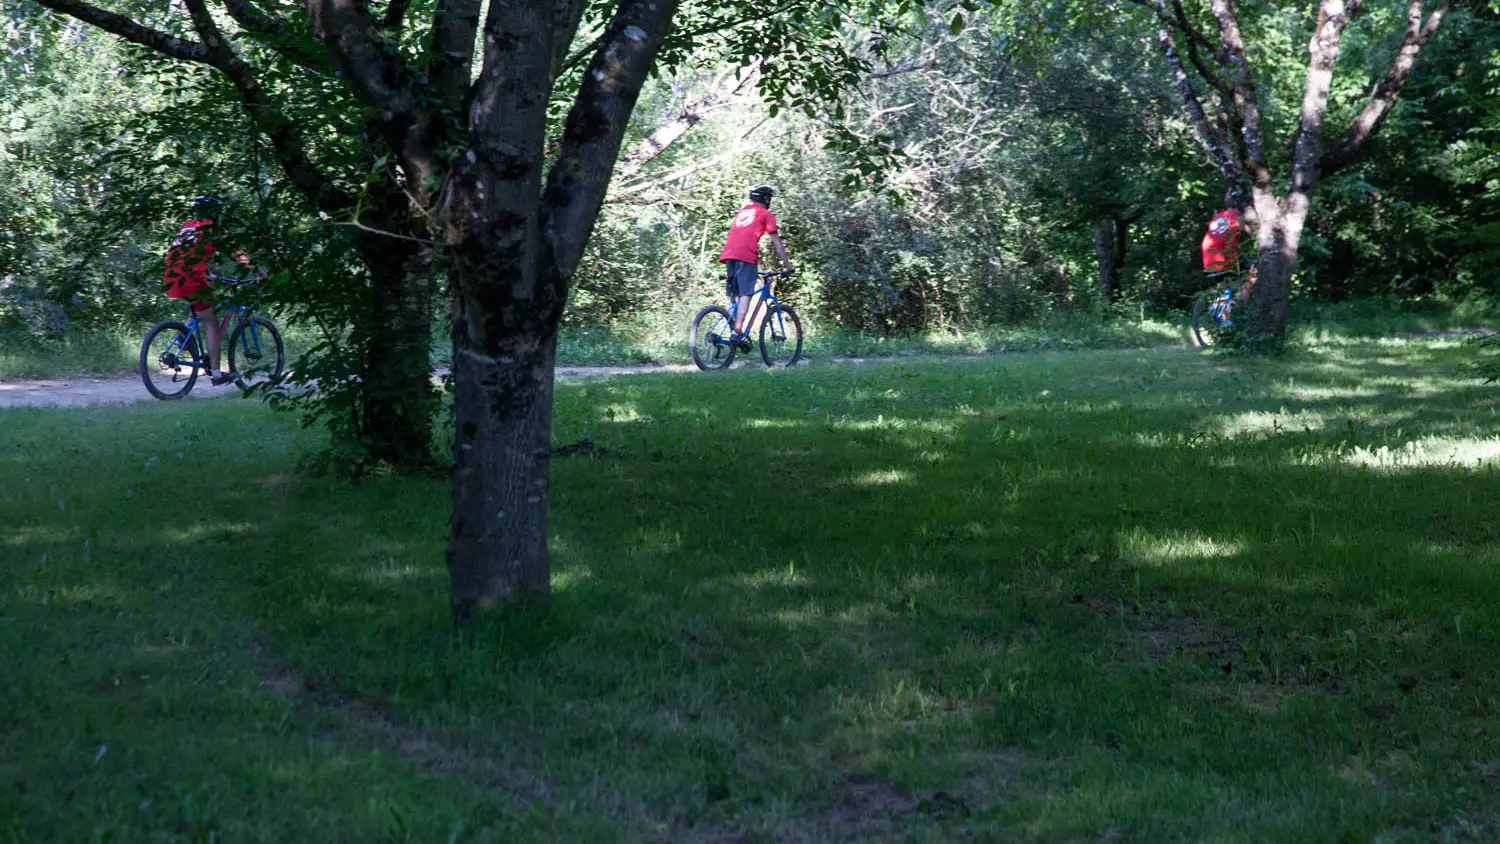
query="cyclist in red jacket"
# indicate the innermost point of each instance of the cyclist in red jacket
(741, 255)
(187, 274)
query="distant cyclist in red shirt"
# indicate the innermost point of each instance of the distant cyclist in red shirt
(1220, 246)
(741, 255)
(187, 274)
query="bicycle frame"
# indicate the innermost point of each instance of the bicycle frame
(1225, 283)
(195, 329)
(763, 297)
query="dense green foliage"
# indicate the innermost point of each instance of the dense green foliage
(999, 166)
(1149, 596)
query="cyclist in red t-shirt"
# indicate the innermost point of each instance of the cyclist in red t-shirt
(741, 255)
(187, 274)
(1220, 245)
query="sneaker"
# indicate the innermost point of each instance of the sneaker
(221, 379)
(742, 342)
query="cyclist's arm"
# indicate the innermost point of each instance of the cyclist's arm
(781, 251)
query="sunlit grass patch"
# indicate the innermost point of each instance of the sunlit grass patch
(881, 477)
(1180, 549)
(1434, 451)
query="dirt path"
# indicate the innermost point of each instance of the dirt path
(84, 391)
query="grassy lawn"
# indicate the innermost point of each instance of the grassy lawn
(1129, 595)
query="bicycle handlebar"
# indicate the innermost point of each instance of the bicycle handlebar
(234, 282)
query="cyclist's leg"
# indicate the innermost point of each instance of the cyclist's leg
(743, 278)
(202, 300)
(1247, 279)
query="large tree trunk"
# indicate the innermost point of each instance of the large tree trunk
(497, 548)
(1279, 235)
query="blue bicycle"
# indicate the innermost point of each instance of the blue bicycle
(1213, 309)
(780, 330)
(171, 360)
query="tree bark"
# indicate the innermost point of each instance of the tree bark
(1105, 253)
(497, 547)
(1278, 237)
(397, 389)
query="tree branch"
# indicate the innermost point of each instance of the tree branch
(596, 127)
(162, 42)
(1383, 97)
(272, 29)
(565, 26)
(1196, 39)
(727, 155)
(1246, 104)
(286, 138)
(395, 16)
(1209, 134)
(381, 81)
(720, 92)
(454, 26)
(1323, 52)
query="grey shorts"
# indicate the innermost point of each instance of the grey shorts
(741, 279)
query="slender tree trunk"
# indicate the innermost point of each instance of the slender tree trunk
(1122, 242)
(497, 550)
(398, 366)
(1104, 254)
(1110, 240)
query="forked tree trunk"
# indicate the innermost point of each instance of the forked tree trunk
(1235, 139)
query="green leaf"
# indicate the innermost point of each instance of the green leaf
(957, 24)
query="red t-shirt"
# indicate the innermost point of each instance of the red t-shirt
(743, 243)
(1221, 243)
(187, 259)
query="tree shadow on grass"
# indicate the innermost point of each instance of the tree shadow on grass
(757, 605)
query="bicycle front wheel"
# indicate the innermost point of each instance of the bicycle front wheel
(256, 353)
(169, 360)
(709, 339)
(781, 337)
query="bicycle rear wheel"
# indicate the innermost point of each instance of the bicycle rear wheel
(256, 353)
(169, 360)
(781, 337)
(709, 338)
(1211, 315)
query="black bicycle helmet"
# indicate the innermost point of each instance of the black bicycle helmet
(762, 194)
(207, 207)
(1236, 196)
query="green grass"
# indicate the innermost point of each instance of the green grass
(1124, 595)
(661, 338)
(84, 352)
(107, 351)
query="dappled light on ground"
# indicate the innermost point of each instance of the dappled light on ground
(1145, 594)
